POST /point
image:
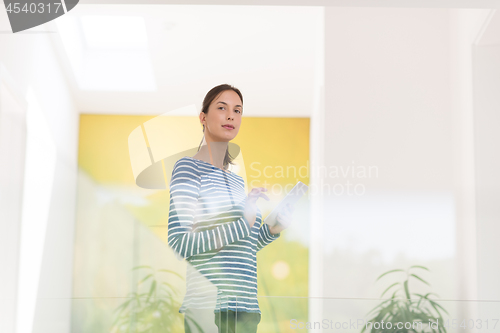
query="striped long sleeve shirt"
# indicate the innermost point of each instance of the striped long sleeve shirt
(206, 227)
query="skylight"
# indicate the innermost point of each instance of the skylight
(106, 31)
(108, 53)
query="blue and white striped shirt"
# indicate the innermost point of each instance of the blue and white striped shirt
(206, 227)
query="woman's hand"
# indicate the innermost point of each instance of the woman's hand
(284, 219)
(251, 204)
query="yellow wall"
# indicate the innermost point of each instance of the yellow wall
(275, 143)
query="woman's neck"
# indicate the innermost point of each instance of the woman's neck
(213, 153)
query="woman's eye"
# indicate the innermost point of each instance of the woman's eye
(221, 107)
(239, 111)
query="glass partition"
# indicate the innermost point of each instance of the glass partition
(159, 313)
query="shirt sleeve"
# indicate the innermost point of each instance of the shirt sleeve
(265, 237)
(185, 187)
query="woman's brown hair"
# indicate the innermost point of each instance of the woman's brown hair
(209, 98)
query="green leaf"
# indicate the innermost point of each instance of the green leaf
(171, 287)
(422, 316)
(138, 298)
(378, 306)
(116, 320)
(167, 291)
(420, 279)
(436, 304)
(171, 272)
(407, 292)
(429, 312)
(391, 271)
(421, 298)
(381, 304)
(151, 291)
(418, 266)
(145, 278)
(122, 306)
(392, 285)
(200, 329)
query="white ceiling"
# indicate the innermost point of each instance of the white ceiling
(272, 54)
(329, 3)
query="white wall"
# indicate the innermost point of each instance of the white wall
(12, 153)
(31, 62)
(466, 26)
(387, 104)
(486, 125)
(400, 96)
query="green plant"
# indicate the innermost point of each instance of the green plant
(400, 308)
(153, 311)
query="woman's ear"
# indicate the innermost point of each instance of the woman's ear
(202, 119)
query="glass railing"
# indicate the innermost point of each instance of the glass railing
(160, 313)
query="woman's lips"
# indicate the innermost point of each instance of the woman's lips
(228, 127)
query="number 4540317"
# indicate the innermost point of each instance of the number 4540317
(470, 324)
(33, 7)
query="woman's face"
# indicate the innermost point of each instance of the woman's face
(223, 119)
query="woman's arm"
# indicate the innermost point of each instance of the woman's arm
(265, 237)
(268, 234)
(184, 191)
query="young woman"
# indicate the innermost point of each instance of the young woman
(215, 226)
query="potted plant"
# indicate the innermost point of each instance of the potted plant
(152, 311)
(423, 313)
